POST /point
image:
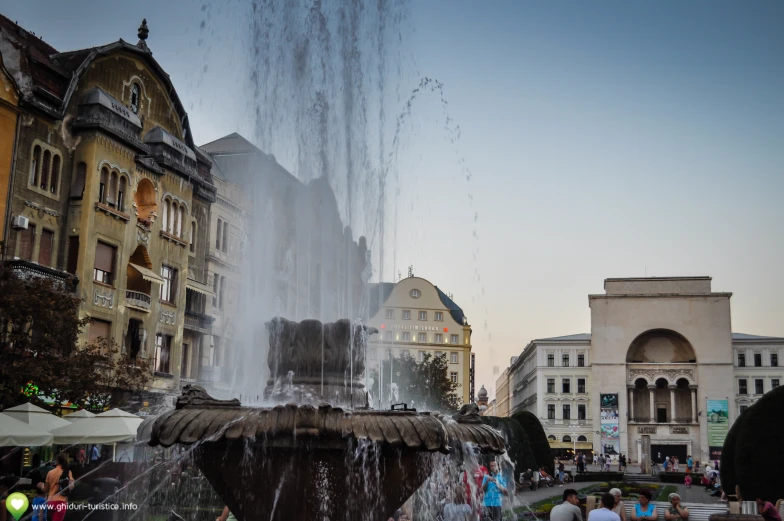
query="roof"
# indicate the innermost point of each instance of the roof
(379, 293)
(455, 310)
(744, 336)
(238, 161)
(579, 337)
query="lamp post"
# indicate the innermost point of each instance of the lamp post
(573, 426)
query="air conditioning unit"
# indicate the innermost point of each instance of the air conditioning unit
(20, 222)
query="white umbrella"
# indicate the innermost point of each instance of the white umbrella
(114, 426)
(14, 433)
(34, 416)
(81, 414)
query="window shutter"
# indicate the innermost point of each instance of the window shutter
(104, 257)
(45, 251)
(26, 240)
(100, 329)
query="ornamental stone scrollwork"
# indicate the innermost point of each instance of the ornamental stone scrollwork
(34, 206)
(142, 237)
(653, 374)
(168, 317)
(103, 298)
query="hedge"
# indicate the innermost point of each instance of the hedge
(680, 477)
(539, 444)
(599, 476)
(728, 477)
(518, 447)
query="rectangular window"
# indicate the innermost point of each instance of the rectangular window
(774, 360)
(45, 248)
(440, 353)
(454, 339)
(757, 359)
(566, 385)
(565, 361)
(406, 314)
(215, 290)
(551, 385)
(26, 242)
(453, 357)
(439, 316)
(406, 336)
(422, 337)
(567, 412)
(421, 356)
(73, 254)
(774, 382)
(104, 263)
(372, 354)
(218, 234)
(388, 335)
(759, 387)
(580, 360)
(550, 411)
(423, 315)
(581, 385)
(405, 353)
(390, 313)
(185, 370)
(741, 359)
(169, 286)
(162, 351)
(453, 377)
(581, 411)
(438, 338)
(225, 237)
(99, 329)
(742, 389)
(550, 360)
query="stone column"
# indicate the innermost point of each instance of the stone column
(630, 388)
(693, 403)
(651, 391)
(672, 388)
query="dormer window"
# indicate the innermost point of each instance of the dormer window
(135, 98)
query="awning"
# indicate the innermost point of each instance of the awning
(147, 274)
(583, 445)
(198, 287)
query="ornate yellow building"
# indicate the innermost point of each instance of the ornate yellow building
(9, 101)
(109, 193)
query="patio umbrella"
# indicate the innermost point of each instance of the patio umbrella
(81, 414)
(35, 417)
(114, 426)
(14, 433)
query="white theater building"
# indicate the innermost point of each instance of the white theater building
(664, 347)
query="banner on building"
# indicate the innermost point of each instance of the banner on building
(611, 438)
(718, 422)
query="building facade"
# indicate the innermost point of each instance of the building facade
(108, 193)
(503, 392)
(414, 317)
(9, 111)
(661, 373)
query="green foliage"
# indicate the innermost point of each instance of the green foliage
(517, 444)
(593, 476)
(425, 385)
(666, 491)
(538, 439)
(758, 440)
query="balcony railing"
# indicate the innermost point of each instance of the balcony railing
(198, 322)
(27, 270)
(138, 299)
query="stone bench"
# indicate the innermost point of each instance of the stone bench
(697, 511)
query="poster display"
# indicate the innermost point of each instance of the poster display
(610, 434)
(718, 422)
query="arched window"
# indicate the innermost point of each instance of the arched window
(35, 164)
(135, 96)
(180, 219)
(193, 236)
(165, 218)
(77, 188)
(121, 193)
(55, 184)
(104, 186)
(582, 438)
(45, 169)
(552, 438)
(173, 218)
(567, 439)
(112, 196)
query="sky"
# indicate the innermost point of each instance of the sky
(604, 139)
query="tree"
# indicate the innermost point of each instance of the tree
(39, 329)
(538, 439)
(424, 385)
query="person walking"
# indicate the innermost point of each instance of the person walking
(604, 513)
(689, 464)
(561, 470)
(618, 507)
(494, 487)
(59, 484)
(569, 510)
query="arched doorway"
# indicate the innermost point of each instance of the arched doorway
(144, 200)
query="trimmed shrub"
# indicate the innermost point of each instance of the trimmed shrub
(728, 478)
(518, 447)
(760, 438)
(599, 476)
(538, 439)
(679, 477)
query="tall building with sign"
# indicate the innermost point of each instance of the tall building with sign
(415, 317)
(661, 372)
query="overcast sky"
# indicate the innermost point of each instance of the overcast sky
(605, 139)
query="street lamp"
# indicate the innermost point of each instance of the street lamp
(573, 432)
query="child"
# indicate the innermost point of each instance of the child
(39, 503)
(687, 481)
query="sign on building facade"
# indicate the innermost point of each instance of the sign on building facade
(611, 439)
(718, 426)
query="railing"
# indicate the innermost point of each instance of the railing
(198, 322)
(137, 299)
(27, 270)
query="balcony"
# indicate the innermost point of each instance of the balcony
(198, 322)
(27, 270)
(138, 300)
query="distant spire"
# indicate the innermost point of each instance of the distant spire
(143, 33)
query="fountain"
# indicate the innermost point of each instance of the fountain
(313, 455)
